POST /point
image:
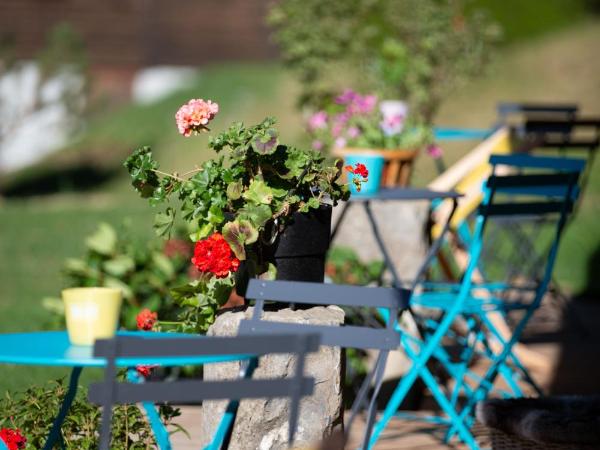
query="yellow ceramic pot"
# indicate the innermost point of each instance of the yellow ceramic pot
(92, 313)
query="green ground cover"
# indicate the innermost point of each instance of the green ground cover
(38, 233)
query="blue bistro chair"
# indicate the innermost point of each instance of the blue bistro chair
(110, 392)
(391, 300)
(550, 191)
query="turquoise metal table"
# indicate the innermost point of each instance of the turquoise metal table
(52, 348)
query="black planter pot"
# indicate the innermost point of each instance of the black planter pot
(299, 252)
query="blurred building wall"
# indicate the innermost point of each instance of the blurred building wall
(123, 35)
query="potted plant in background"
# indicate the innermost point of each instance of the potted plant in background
(379, 135)
(260, 208)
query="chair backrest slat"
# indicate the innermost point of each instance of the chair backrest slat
(531, 180)
(196, 391)
(347, 336)
(130, 347)
(522, 160)
(327, 294)
(525, 208)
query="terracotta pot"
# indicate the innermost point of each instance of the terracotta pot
(397, 167)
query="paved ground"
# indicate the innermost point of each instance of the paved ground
(569, 341)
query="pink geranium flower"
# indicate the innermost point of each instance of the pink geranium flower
(435, 151)
(353, 132)
(347, 97)
(340, 142)
(392, 125)
(195, 115)
(317, 121)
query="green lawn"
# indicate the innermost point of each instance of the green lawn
(36, 235)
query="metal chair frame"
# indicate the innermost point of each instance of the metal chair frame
(457, 301)
(392, 300)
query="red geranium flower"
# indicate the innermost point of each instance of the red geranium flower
(145, 371)
(146, 319)
(214, 255)
(361, 171)
(13, 439)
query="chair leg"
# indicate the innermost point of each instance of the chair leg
(371, 412)
(161, 435)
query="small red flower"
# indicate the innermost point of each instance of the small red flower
(13, 438)
(145, 371)
(360, 169)
(146, 319)
(214, 255)
(361, 172)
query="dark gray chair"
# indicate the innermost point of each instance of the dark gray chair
(196, 350)
(392, 300)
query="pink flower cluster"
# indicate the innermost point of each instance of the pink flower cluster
(341, 127)
(195, 115)
(356, 103)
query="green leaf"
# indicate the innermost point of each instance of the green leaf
(215, 215)
(119, 265)
(239, 233)
(202, 233)
(260, 193)
(141, 166)
(164, 264)
(259, 215)
(265, 142)
(116, 283)
(80, 268)
(163, 222)
(234, 190)
(271, 273)
(103, 241)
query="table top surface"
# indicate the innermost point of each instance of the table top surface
(52, 348)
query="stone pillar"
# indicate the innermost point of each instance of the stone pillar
(263, 424)
(402, 225)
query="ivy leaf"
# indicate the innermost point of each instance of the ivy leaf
(163, 222)
(141, 166)
(265, 142)
(221, 289)
(234, 190)
(201, 233)
(238, 234)
(187, 294)
(103, 241)
(260, 193)
(215, 215)
(259, 215)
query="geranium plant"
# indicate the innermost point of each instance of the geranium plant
(362, 121)
(234, 204)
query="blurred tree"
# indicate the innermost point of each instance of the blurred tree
(415, 50)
